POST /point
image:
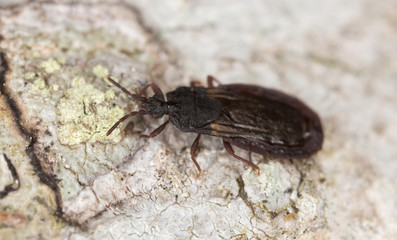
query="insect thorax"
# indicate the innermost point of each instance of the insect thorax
(156, 106)
(191, 109)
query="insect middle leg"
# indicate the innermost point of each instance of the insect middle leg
(230, 150)
(196, 83)
(156, 131)
(193, 150)
(211, 80)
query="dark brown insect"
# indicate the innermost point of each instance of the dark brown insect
(259, 120)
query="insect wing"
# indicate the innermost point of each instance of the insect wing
(266, 121)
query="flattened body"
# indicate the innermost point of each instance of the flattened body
(273, 123)
(191, 109)
(256, 119)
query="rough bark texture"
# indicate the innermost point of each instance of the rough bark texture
(76, 183)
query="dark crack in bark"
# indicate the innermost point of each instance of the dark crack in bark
(243, 194)
(30, 135)
(16, 113)
(48, 179)
(16, 183)
(153, 35)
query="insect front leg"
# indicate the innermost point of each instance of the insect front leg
(156, 131)
(123, 119)
(157, 91)
(193, 150)
(230, 150)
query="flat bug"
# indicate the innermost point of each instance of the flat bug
(256, 119)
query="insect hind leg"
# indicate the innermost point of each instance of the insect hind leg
(230, 150)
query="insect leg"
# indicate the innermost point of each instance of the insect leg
(230, 150)
(156, 131)
(193, 150)
(211, 80)
(196, 83)
(157, 91)
(122, 120)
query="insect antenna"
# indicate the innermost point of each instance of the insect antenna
(134, 96)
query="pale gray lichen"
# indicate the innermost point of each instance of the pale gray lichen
(269, 187)
(83, 115)
(50, 66)
(307, 206)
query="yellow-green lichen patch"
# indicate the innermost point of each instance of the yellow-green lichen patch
(50, 66)
(30, 75)
(62, 61)
(100, 71)
(36, 54)
(110, 95)
(84, 116)
(39, 85)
